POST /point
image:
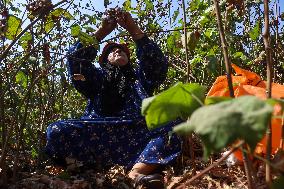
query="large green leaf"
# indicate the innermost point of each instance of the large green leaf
(178, 101)
(221, 124)
(13, 27)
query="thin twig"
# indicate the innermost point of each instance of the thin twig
(247, 165)
(203, 172)
(190, 138)
(2, 111)
(229, 78)
(224, 48)
(185, 39)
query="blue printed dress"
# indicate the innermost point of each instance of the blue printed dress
(119, 135)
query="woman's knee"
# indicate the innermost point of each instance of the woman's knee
(54, 130)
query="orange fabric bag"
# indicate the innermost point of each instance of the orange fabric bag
(249, 83)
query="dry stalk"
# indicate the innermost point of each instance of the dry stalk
(189, 138)
(203, 172)
(229, 78)
(268, 50)
(224, 48)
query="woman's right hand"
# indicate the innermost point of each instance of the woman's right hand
(125, 20)
(109, 23)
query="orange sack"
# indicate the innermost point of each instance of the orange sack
(249, 83)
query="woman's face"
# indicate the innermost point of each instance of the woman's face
(117, 57)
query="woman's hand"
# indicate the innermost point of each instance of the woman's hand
(125, 20)
(109, 23)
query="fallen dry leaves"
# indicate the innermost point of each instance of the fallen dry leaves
(76, 176)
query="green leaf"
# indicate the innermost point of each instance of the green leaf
(203, 20)
(34, 153)
(240, 55)
(89, 29)
(127, 5)
(208, 33)
(278, 183)
(64, 175)
(25, 39)
(22, 78)
(48, 24)
(255, 32)
(273, 102)
(282, 16)
(55, 16)
(196, 59)
(149, 5)
(32, 59)
(216, 99)
(13, 27)
(88, 40)
(181, 100)
(172, 40)
(212, 63)
(221, 124)
(106, 3)
(176, 13)
(75, 30)
(60, 12)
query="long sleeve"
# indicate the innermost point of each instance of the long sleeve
(153, 65)
(80, 62)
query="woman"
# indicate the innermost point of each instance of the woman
(112, 130)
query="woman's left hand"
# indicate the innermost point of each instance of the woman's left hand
(125, 20)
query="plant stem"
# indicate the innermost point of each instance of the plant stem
(2, 111)
(276, 16)
(190, 138)
(229, 77)
(247, 166)
(224, 48)
(282, 131)
(185, 39)
(266, 39)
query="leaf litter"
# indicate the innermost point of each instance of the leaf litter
(76, 176)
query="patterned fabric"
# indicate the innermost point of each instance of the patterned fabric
(120, 137)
